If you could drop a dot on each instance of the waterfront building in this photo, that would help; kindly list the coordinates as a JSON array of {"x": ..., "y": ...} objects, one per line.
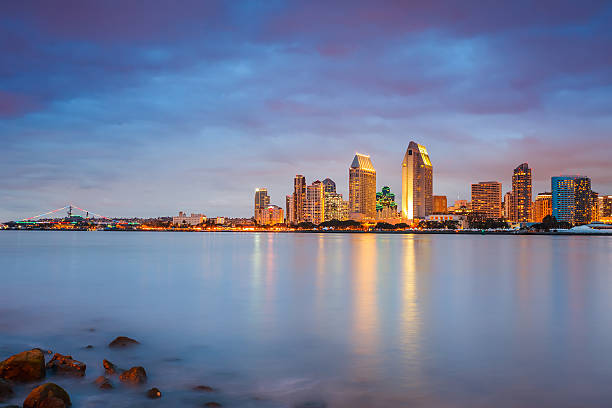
[
  {"x": 486, "y": 199},
  {"x": 605, "y": 206},
  {"x": 462, "y": 219},
  {"x": 329, "y": 185},
  {"x": 299, "y": 197},
  {"x": 571, "y": 199},
  {"x": 542, "y": 206},
  {"x": 362, "y": 188},
  {"x": 335, "y": 207},
  {"x": 314, "y": 207},
  {"x": 440, "y": 205},
  {"x": 289, "y": 209},
  {"x": 262, "y": 201},
  {"x": 184, "y": 219},
  {"x": 417, "y": 182},
  {"x": 386, "y": 207},
  {"x": 594, "y": 206},
  {"x": 272, "y": 215},
  {"x": 521, "y": 194},
  {"x": 507, "y": 206}
]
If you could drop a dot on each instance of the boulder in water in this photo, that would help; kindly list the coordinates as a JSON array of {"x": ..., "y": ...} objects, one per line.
[
  {"x": 103, "y": 383},
  {"x": 45, "y": 396},
  {"x": 61, "y": 364},
  {"x": 135, "y": 375},
  {"x": 23, "y": 367},
  {"x": 122, "y": 341},
  {"x": 154, "y": 393},
  {"x": 203, "y": 388},
  {"x": 110, "y": 368}
]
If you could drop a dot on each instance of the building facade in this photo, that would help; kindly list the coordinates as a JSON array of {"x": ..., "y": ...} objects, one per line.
[
  {"x": 289, "y": 209},
  {"x": 386, "y": 207},
  {"x": 542, "y": 206},
  {"x": 572, "y": 199},
  {"x": 329, "y": 185},
  {"x": 507, "y": 206},
  {"x": 314, "y": 208},
  {"x": 417, "y": 182},
  {"x": 272, "y": 215},
  {"x": 604, "y": 206},
  {"x": 184, "y": 219},
  {"x": 521, "y": 194},
  {"x": 262, "y": 201},
  {"x": 440, "y": 204},
  {"x": 335, "y": 207},
  {"x": 362, "y": 189},
  {"x": 486, "y": 199},
  {"x": 299, "y": 198}
]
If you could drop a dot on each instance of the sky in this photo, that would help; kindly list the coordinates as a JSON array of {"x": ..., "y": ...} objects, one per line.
[{"x": 145, "y": 108}]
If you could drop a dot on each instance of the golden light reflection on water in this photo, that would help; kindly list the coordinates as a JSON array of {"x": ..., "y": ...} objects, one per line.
[{"x": 410, "y": 323}]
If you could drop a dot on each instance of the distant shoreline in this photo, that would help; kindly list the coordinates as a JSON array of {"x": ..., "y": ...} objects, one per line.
[{"x": 423, "y": 232}]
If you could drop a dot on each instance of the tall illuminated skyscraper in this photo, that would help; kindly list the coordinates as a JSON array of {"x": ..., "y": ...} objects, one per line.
[
  {"x": 362, "y": 188},
  {"x": 521, "y": 194},
  {"x": 571, "y": 199},
  {"x": 299, "y": 197},
  {"x": 417, "y": 183},
  {"x": 262, "y": 201},
  {"x": 314, "y": 206}
]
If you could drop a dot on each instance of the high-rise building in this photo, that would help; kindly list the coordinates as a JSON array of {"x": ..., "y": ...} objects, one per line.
[
  {"x": 440, "y": 205},
  {"x": 386, "y": 207},
  {"x": 486, "y": 199},
  {"x": 594, "y": 206},
  {"x": 262, "y": 201},
  {"x": 314, "y": 207},
  {"x": 605, "y": 206},
  {"x": 329, "y": 185},
  {"x": 271, "y": 215},
  {"x": 299, "y": 197},
  {"x": 521, "y": 194},
  {"x": 571, "y": 199},
  {"x": 542, "y": 206},
  {"x": 417, "y": 182},
  {"x": 362, "y": 188},
  {"x": 335, "y": 207},
  {"x": 507, "y": 206},
  {"x": 289, "y": 206}
]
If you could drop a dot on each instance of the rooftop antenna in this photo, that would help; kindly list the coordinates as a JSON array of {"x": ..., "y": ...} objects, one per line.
[{"x": 70, "y": 211}]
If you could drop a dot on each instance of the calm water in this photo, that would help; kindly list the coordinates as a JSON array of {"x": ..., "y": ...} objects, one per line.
[{"x": 349, "y": 320}]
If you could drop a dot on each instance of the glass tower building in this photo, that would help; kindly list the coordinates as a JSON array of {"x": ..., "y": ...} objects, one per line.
[
  {"x": 362, "y": 188},
  {"x": 417, "y": 183},
  {"x": 571, "y": 199}
]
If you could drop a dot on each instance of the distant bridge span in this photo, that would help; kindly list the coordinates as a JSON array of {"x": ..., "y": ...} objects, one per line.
[{"x": 70, "y": 207}]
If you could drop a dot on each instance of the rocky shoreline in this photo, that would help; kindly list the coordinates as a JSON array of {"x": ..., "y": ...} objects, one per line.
[{"x": 30, "y": 368}]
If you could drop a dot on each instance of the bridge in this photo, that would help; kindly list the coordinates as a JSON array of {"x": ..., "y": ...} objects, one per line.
[{"x": 70, "y": 208}]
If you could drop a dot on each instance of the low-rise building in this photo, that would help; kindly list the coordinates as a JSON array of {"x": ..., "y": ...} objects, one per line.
[{"x": 184, "y": 219}]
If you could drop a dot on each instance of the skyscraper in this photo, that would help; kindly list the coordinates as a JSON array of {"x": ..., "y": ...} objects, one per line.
[
  {"x": 335, "y": 207},
  {"x": 571, "y": 199},
  {"x": 440, "y": 205},
  {"x": 314, "y": 206},
  {"x": 262, "y": 201},
  {"x": 289, "y": 209},
  {"x": 507, "y": 206},
  {"x": 486, "y": 199},
  {"x": 299, "y": 196},
  {"x": 362, "y": 188},
  {"x": 417, "y": 182},
  {"x": 605, "y": 206},
  {"x": 542, "y": 206},
  {"x": 521, "y": 194},
  {"x": 329, "y": 185}
]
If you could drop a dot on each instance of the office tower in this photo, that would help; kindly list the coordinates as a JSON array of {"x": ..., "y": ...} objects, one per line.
[
  {"x": 486, "y": 199},
  {"x": 329, "y": 185},
  {"x": 262, "y": 201},
  {"x": 571, "y": 199},
  {"x": 507, "y": 206},
  {"x": 314, "y": 206},
  {"x": 299, "y": 196},
  {"x": 335, "y": 207},
  {"x": 521, "y": 193},
  {"x": 440, "y": 205},
  {"x": 386, "y": 207},
  {"x": 542, "y": 206},
  {"x": 362, "y": 188},
  {"x": 594, "y": 206},
  {"x": 605, "y": 206},
  {"x": 290, "y": 214},
  {"x": 417, "y": 183}
]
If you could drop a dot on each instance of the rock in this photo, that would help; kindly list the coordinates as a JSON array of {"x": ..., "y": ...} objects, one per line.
[
  {"x": 204, "y": 388},
  {"x": 61, "y": 364},
  {"x": 103, "y": 383},
  {"x": 212, "y": 404},
  {"x": 89, "y": 346},
  {"x": 40, "y": 395},
  {"x": 122, "y": 341},
  {"x": 135, "y": 375},
  {"x": 25, "y": 366},
  {"x": 110, "y": 368},
  {"x": 6, "y": 391},
  {"x": 154, "y": 393}
]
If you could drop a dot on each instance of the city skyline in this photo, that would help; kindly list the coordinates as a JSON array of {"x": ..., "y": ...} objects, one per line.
[{"x": 139, "y": 112}]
